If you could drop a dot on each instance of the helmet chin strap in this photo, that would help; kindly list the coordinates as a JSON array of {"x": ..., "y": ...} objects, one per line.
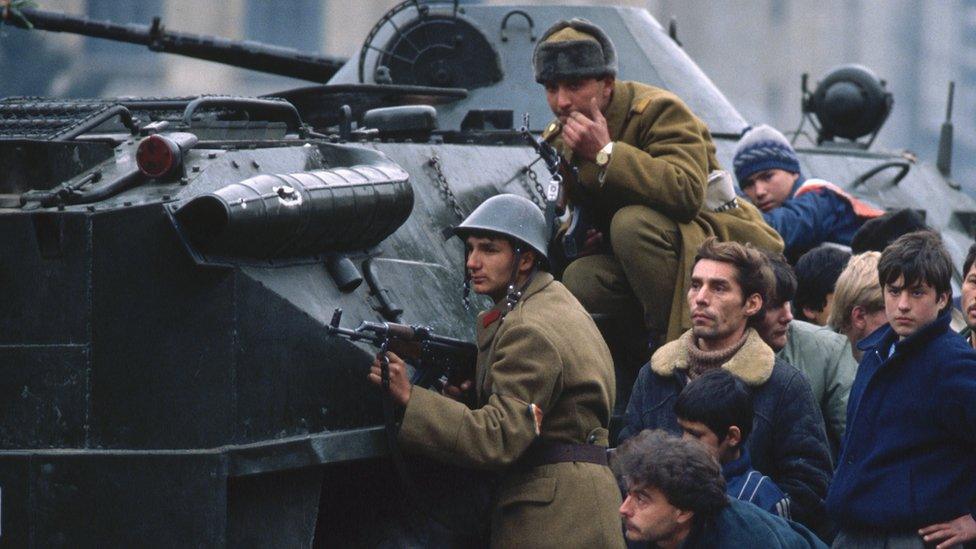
[
  {"x": 466, "y": 291},
  {"x": 515, "y": 294}
]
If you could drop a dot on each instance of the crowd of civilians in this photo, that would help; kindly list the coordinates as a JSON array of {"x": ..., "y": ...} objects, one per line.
[
  {"x": 853, "y": 424},
  {"x": 860, "y": 433},
  {"x": 824, "y": 388}
]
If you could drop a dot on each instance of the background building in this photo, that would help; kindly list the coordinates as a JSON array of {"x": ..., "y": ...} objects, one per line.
[{"x": 754, "y": 50}]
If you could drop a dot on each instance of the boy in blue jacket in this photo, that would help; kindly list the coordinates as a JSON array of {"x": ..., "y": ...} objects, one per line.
[
  {"x": 907, "y": 468},
  {"x": 716, "y": 410},
  {"x": 805, "y": 212}
]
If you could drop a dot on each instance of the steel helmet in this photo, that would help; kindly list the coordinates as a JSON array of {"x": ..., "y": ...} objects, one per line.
[{"x": 512, "y": 216}]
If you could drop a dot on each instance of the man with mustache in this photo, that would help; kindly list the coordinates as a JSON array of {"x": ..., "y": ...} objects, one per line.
[
  {"x": 906, "y": 476},
  {"x": 644, "y": 161},
  {"x": 968, "y": 300},
  {"x": 729, "y": 284}
]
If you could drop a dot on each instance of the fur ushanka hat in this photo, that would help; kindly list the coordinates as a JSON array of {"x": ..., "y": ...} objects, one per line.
[{"x": 574, "y": 49}]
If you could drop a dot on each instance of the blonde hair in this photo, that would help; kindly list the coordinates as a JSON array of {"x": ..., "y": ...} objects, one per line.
[{"x": 857, "y": 286}]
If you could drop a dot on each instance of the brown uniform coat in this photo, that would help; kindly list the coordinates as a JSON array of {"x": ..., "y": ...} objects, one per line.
[
  {"x": 662, "y": 155},
  {"x": 546, "y": 352}
]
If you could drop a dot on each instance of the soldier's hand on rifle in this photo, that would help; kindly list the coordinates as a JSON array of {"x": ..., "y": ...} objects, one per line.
[
  {"x": 461, "y": 393},
  {"x": 399, "y": 378},
  {"x": 586, "y": 134}
]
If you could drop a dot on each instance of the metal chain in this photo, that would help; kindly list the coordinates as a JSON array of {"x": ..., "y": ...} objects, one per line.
[
  {"x": 533, "y": 182},
  {"x": 445, "y": 189},
  {"x": 528, "y": 172}
]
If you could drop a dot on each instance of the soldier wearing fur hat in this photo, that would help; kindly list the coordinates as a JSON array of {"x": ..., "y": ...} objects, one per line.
[
  {"x": 644, "y": 161},
  {"x": 544, "y": 391}
]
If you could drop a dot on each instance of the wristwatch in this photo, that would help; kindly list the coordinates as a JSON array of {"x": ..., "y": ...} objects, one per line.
[{"x": 603, "y": 157}]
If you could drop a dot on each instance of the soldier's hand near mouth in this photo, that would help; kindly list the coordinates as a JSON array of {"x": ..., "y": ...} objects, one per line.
[{"x": 586, "y": 134}]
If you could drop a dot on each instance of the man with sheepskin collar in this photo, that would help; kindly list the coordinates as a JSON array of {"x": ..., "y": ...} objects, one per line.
[
  {"x": 644, "y": 198},
  {"x": 729, "y": 284}
]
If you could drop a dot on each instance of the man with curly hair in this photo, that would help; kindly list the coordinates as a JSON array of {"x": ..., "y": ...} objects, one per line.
[{"x": 676, "y": 498}]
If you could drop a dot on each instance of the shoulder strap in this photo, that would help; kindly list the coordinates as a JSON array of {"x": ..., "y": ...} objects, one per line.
[
  {"x": 551, "y": 131},
  {"x": 641, "y": 104}
]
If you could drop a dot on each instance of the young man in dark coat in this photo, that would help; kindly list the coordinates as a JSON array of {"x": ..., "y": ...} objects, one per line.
[
  {"x": 676, "y": 499},
  {"x": 788, "y": 442},
  {"x": 907, "y": 469}
]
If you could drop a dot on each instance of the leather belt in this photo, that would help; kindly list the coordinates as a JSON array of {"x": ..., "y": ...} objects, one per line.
[{"x": 547, "y": 452}]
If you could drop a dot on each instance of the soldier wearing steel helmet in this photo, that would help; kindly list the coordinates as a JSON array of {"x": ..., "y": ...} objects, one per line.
[{"x": 543, "y": 388}]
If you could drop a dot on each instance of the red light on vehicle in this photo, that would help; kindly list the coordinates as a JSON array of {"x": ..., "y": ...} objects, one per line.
[{"x": 158, "y": 156}]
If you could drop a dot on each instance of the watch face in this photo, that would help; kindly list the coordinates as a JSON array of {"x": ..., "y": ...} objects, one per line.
[{"x": 603, "y": 155}]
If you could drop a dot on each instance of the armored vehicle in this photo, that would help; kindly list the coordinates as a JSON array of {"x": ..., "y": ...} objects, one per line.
[{"x": 171, "y": 266}]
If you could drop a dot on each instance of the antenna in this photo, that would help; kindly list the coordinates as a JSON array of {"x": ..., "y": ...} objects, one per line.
[
  {"x": 944, "y": 162},
  {"x": 805, "y": 111},
  {"x": 673, "y": 31}
]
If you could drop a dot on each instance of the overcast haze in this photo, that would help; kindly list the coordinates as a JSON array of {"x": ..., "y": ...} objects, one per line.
[{"x": 754, "y": 50}]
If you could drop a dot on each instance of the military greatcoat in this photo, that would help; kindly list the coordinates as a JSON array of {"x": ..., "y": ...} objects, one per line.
[
  {"x": 547, "y": 352},
  {"x": 650, "y": 196}
]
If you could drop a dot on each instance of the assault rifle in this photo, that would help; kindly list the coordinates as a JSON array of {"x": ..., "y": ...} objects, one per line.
[
  {"x": 574, "y": 240},
  {"x": 436, "y": 358},
  {"x": 559, "y": 169}
]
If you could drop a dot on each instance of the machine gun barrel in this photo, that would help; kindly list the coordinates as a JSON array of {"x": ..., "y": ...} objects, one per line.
[
  {"x": 239, "y": 53},
  {"x": 545, "y": 151},
  {"x": 555, "y": 162},
  {"x": 435, "y": 355}
]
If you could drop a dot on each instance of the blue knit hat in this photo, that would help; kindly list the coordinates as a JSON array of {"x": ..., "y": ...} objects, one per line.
[{"x": 763, "y": 148}]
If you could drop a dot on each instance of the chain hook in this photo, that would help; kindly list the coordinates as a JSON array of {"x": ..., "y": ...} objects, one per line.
[{"x": 444, "y": 187}]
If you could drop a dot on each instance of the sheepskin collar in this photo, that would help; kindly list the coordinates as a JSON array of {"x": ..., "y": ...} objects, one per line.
[{"x": 753, "y": 364}]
